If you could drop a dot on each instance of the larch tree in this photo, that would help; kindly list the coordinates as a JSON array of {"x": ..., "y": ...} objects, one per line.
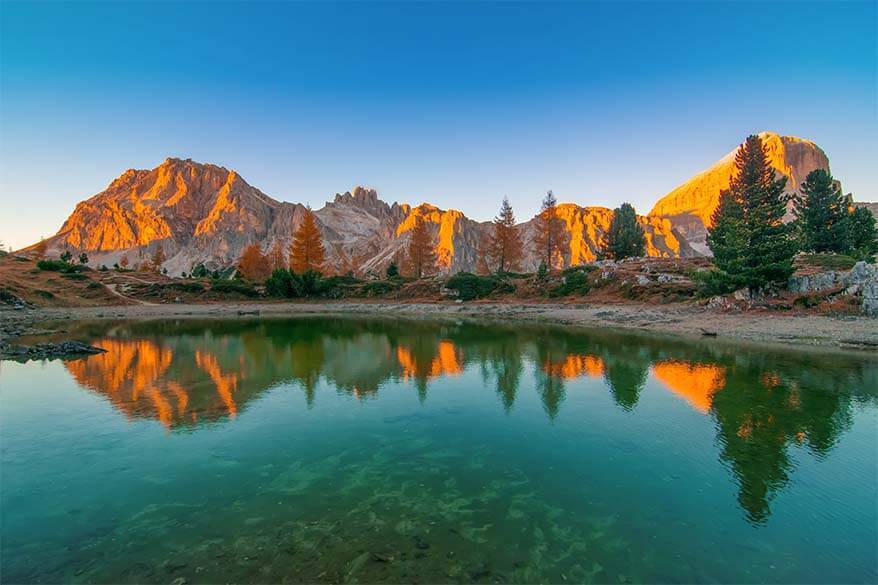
[
  {"x": 277, "y": 257},
  {"x": 503, "y": 249},
  {"x": 551, "y": 235},
  {"x": 421, "y": 250},
  {"x": 254, "y": 265},
  {"x": 822, "y": 214},
  {"x": 625, "y": 238},
  {"x": 306, "y": 251},
  {"x": 158, "y": 258}
]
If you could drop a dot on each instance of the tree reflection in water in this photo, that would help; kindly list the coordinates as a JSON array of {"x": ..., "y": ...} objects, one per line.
[{"x": 192, "y": 372}]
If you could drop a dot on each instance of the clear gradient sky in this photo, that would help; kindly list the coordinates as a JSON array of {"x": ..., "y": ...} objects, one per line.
[{"x": 453, "y": 103}]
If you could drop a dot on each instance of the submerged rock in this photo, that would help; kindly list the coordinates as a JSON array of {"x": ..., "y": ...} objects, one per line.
[{"x": 48, "y": 351}]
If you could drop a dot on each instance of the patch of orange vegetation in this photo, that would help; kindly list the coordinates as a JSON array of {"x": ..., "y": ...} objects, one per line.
[{"x": 696, "y": 383}]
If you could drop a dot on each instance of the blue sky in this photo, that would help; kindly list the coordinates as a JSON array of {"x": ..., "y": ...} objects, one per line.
[{"x": 453, "y": 103}]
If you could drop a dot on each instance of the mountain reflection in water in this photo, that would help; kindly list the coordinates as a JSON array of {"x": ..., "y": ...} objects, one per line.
[{"x": 191, "y": 372}]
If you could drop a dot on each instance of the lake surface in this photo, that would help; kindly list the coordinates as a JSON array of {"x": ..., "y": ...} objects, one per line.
[{"x": 348, "y": 450}]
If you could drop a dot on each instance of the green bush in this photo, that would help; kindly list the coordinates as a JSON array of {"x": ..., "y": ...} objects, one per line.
[
  {"x": 231, "y": 286},
  {"x": 94, "y": 285},
  {"x": 190, "y": 287},
  {"x": 472, "y": 286},
  {"x": 52, "y": 265},
  {"x": 575, "y": 283},
  {"x": 74, "y": 275},
  {"x": 377, "y": 288},
  {"x": 715, "y": 282}
]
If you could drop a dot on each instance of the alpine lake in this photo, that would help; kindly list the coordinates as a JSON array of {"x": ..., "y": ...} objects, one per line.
[{"x": 343, "y": 450}]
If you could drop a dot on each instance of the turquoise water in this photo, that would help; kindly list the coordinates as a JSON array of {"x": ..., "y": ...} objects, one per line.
[{"x": 344, "y": 450}]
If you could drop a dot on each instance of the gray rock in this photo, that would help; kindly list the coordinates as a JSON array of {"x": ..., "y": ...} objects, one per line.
[{"x": 642, "y": 280}]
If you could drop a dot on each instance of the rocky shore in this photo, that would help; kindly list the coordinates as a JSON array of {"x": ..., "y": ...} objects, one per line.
[
  {"x": 47, "y": 351},
  {"x": 802, "y": 329}
]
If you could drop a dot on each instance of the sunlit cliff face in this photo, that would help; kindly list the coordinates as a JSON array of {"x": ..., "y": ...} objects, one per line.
[
  {"x": 448, "y": 226},
  {"x": 789, "y": 156},
  {"x": 696, "y": 383}
]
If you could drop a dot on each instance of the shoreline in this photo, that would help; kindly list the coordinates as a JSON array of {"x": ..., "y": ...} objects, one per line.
[{"x": 790, "y": 330}]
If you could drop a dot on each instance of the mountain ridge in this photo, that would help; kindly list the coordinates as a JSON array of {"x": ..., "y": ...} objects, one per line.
[{"x": 202, "y": 213}]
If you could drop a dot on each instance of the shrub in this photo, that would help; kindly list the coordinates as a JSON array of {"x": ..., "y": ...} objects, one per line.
[
  {"x": 392, "y": 270},
  {"x": 575, "y": 282},
  {"x": 377, "y": 288},
  {"x": 45, "y": 294},
  {"x": 94, "y": 285},
  {"x": 190, "y": 287},
  {"x": 74, "y": 275},
  {"x": 283, "y": 283},
  {"x": 542, "y": 271},
  {"x": 715, "y": 282},
  {"x": 52, "y": 265},
  {"x": 230, "y": 286},
  {"x": 472, "y": 286}
]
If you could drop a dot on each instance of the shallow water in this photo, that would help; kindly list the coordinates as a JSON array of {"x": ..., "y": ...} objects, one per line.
[{"x": 345, "y": 450}]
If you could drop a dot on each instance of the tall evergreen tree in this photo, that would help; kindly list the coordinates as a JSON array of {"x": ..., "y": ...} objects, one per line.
[
  {"x": 504, "y": 244},
  {"x": 726, "y": 237},
  {"x": 755, "y": 250},
  {"x": 551, "y": 235},
  {"x": 306, "y": 251},
  {"x": 625, "y": 238},
  {"x": 863, "y": 235},
  {"x": 822, "y": 214}
]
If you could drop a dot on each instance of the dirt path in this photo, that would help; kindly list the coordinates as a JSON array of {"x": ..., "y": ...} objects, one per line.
[
  {"x": 682, "y": 320},
  {"x": 114, "y": 289}
]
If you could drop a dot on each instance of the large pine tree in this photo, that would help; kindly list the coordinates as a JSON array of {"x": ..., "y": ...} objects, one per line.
[
  {"x": 503, "y": 249},
  {"x": 822, "y": 214},
  {"x": 306, "y": 251},
  {"x": 754, "y": 249},
  {"x": 421, "y": 251},
  {"x": 625, "y": 238},
  {"x": 551, "y": 235}
]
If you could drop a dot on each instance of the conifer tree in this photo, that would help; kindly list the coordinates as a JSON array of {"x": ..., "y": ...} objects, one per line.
[
  {"x": 768, "y": 256},
  {"x": 750, "y": 241},
  {"x": 306, "y": 251},
  {"x": 158, "y": 258},
  {"x": 421, "y": 252},
  {"x": 551, "y": 236},
  {"x": 503, "y": 248},
  {"x": 822, "y": 214},
  {"x": 625, "y": 238},
  {"x": 254, "y": 265},
  {"x": 277, "y": 257},
  {"x": 726, "y": 237},
  {"x": 863, "y": 234}
]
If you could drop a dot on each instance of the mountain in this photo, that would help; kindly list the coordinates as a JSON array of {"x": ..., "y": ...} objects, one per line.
[
  {"x": 690, "y": 206},
  {"x": 207, "y": 214}
]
